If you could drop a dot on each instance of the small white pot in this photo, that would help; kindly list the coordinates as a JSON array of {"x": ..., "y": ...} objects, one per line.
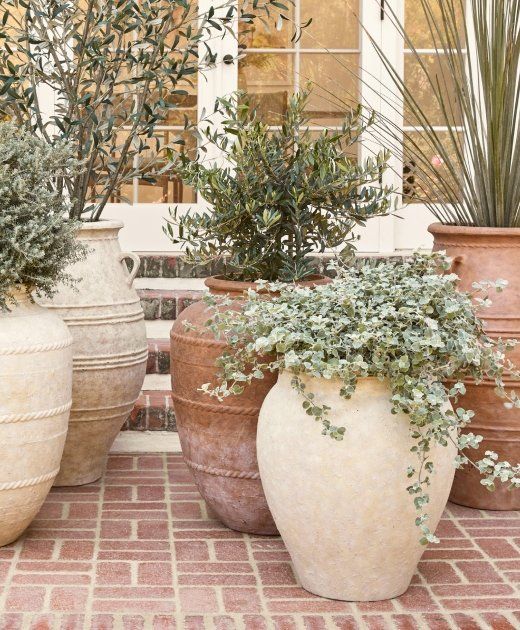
[
  {"x": 342, "y": 507},
  {"x": 35, "y": 399}
]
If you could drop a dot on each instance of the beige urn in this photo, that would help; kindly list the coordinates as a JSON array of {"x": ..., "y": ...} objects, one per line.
[
  {"x": 35, "y": 399},
  {"x": 342, "y": 507},
  {"x": 104, "y": 315}
]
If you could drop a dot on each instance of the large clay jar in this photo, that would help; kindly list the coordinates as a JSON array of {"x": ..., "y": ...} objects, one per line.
[
  {"x": 35, "y": 399},
  {"x": 488, "y": 254},
  {"x": 106, "y": 320},
  {"x": 218, "y": 440},
  {"x": 342, "y": 508}
]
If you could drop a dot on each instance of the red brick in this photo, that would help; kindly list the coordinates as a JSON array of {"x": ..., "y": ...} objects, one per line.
[
  {"x": 164, "y": 622},
  {"x": 231, "y": 550},
  {"x": 479, "y": 571},
  {"x": 254, "y": 622},
  {"x": 482, "y": 603},
  {"x": 150, "y": 462},
  {"x": 345, "y": 622},
  {"x": 497, "y": 622},
  {"x": 314, "y": 623},
  {"x": 150, "y": 493},
  {"x": 241, "y": 600},
  {"x": 214, "y": 567},
  {"x": 404, "y": 622},
  {"x": 120, "y": 462},
  {"x": 153, "y": 530},
  {"x": 438, "y": 573},
  {"x": 116, "y": 529},
  {"x": 11, "y": 621},
  {"x": 284, "y": 623},
  {"x": 55, "y": 566},
  {"x": 133, "y": 622},
  {"x": 276, "y": 573},
  {"x": 50, "y": 578},
  {"x": 309, "y": 606},
  {"x": 123, "y": 493},
  {"x": 435, "y": 621},
  {"x": 133, "y": 592},
  {"x": 37, "y": 550},
  {"x": 245, "y": 579},
  {"x": 191, "y": 550},
  {"x": 186, "y": 509},
  {"x": 380, "y": 606},
  {"x": 465, "y": 622},
  {"x": 472, "y": 590},
  {"x": 417, "y": 598},
  {"x": 201, "y": 600},
  {"x": 375, "y": 622},
  {"x": 25, "y": 599},
  {"x": 69, "y": 599},
  {"x": 113, "y": 573},
  {"x": 159, "y": 573},
  {"x": 83, "y": 510},
  {"x": 80, "y": 550},
  {"x": 129, "y": 606},
  {"x": 497, "y": 547}
]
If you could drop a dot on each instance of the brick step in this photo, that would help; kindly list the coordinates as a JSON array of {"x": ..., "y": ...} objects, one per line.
[
  {"x": 165, "y": 298},
  {"x": 153, "y": 410},
  {"x": 158, "y": 333}
]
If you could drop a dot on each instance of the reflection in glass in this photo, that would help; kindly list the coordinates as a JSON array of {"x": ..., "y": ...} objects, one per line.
[{"x": 335, "y": 24}]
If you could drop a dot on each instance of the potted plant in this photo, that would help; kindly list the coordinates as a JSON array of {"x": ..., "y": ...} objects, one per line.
[
  {"x": 280, "y": 196},
  {"x": 376, "y": 362},
  {"x": 36, "y": 245},
  {"x": 116, "y": 72},
  {"x": 464, "y": 144}
]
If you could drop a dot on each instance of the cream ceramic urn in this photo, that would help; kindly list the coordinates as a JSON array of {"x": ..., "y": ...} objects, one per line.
[
  {"x": 342, "y": 507},
  {"x": 35, "y": 399},
  {"x": 104, "y": 315}
]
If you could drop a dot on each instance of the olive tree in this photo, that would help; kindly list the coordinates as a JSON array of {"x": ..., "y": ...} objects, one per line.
[{"x": 117, "y": 70}]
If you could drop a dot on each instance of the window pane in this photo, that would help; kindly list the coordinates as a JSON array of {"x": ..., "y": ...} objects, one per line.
[
  {"x": 335, "y": 85},
  {"x": 417, "y": 20},
  {"x": 417, "y": 186},
  {"x": 265, "y": 32},
  {"x": 335, "y": 24},
  {"x": 269, "y": 79},
  {"x": 419, "y": 83}
]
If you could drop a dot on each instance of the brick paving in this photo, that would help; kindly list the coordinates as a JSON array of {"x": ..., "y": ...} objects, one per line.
[{"x": 139, "y": 550}]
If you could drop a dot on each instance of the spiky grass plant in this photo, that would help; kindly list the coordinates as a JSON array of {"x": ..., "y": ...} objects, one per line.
[{"x": 475, "y": 88}]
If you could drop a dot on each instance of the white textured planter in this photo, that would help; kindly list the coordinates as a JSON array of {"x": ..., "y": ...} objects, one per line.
[
  {"x": 106, "y": 320},
  {"x": 342, "y": 507},
  {"x": 35, "y": 399}
]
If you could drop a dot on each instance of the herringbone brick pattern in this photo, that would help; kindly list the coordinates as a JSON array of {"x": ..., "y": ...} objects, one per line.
[{"x": 139, "y": 550}]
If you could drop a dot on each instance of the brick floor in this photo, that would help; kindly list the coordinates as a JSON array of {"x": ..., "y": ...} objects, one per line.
[{"x": 139, "y": 550}]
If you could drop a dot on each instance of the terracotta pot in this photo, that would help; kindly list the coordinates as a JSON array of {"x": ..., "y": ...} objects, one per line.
[
  {"x": 106, "y": 320},
  {"x": 35, "y": 399},
  {"x": 219, "y": 439},
  {"x": 488, "y": 254},
  {"x": 342, "y": 508}
]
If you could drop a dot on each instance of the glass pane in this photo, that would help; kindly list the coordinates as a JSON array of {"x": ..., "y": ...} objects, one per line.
[
  {"x": 269, "y": 79},
  {"x": 267, "y": 32},
  {"x": 419, "y": 15},
  {"x": 417, "y": 182},
  {"x": 419, "y": 83},
  {"x": 335, "y": 24},
  {"x": 335, "y": 85},
  {"x": 166, "y": 188}
]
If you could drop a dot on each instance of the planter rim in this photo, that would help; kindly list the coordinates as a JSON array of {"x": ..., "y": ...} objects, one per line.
[
  {"x": 472, "y": 231},
  {"x": 102, "y": 224},
  {"x": 218, "y": 284}
]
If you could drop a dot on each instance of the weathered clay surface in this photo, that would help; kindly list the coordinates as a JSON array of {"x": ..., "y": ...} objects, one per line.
[
  {"x": 35, "y": 399},
  {"x": 219, "y": 439},
  {"x": 488, "y": 254},
  {"x": 106, "y": 320},
  {"x": 342, "y": 507}
]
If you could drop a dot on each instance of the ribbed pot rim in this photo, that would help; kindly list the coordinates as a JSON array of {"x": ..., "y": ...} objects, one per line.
[
  {"x": 102, "y": 224},
  {"x": 219, "y": 285},
  {"x": 472, "y": 231}
]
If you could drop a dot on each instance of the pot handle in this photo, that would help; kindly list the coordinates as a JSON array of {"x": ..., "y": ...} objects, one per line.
[
  {"x": 137, "y": 263},
  {"x": 456, "y": 263}
]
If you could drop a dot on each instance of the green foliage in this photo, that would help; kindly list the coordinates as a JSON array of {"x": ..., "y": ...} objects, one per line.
[
  {"x": 281, "y": 194},
  {"x": 474, "y": 89},
  {"x": 118, "y": 69},
  {"x": 37, "y": 241},
  {"x": 404, "y": 322}
]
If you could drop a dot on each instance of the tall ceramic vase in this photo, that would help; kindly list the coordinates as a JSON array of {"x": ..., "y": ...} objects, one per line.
[
  {"x": 342, "y": 508},
  {"x": 219, "y": 439},
  {"x": 106, "y": 320},
  {"x": 35, "y": 399},
  {"x": 488, "y": 254}
]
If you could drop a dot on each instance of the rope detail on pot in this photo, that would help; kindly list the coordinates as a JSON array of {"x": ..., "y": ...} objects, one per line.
[
  {"x": 25, "y": 483},
  {"x": 210, "y": 407},
  {"x": 193, "y": 341},
  {"x": 59, "y": 345},
  {"x": 35, "y": 415},
  {"x": 221, "y": 472}
]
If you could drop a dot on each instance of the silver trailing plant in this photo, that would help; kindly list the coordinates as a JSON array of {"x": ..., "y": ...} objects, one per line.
[
  {"x": 37, "y": 241},
  {"x": 400, "y": 321}
]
